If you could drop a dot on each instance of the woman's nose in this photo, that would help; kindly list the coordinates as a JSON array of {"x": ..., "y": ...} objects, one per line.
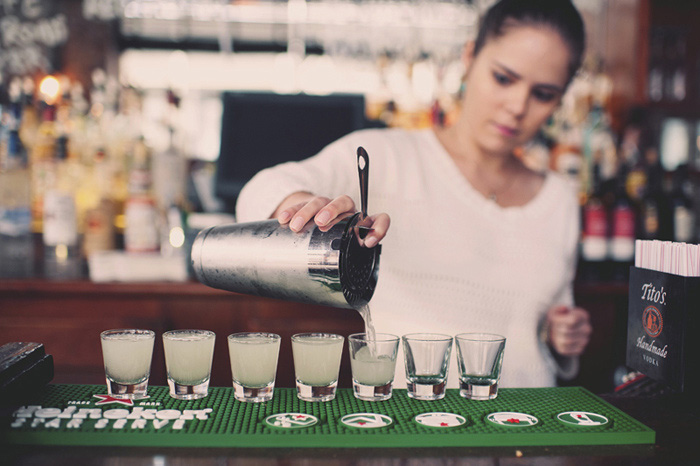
[{"x": 517, "y": 101}]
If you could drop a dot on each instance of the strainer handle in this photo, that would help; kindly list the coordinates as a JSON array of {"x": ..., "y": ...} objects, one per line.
[{"x": 363, "y": 171}]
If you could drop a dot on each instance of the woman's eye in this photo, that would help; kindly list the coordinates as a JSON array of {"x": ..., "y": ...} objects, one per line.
[
  {"x": 501, "y": 78},
  {"x": 544, "y": 96}
]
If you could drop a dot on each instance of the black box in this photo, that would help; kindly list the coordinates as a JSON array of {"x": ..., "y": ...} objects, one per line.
[{"x": 662, "y": 328}]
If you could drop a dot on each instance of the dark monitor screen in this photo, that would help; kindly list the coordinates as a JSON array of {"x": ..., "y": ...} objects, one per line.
[{"x": 259, "y": 130}]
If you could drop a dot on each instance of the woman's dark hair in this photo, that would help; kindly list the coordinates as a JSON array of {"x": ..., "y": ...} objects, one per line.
[{"x": 560, "y": 15}]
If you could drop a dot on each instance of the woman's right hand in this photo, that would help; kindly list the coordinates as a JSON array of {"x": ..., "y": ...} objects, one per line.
[{"x": 298, "y": 208}]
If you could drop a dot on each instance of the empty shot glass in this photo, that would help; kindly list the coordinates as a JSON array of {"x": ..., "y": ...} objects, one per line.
[
  {"x": 480, "y": 357},
  {"x": 427, "y": 357},
  {"x": 253, "y": 365},
  {"x": 127, "y": 357},
  {"x": 188, "y": 357},
  {"x": 317, "y": 364},
  {"x": 373, "y": 362}
]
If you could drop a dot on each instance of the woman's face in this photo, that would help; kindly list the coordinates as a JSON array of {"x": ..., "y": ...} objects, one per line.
[{"x": 513, "y": 85}]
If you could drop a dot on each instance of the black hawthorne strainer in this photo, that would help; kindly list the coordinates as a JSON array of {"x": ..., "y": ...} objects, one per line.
[{"x": 359, "y": 267}]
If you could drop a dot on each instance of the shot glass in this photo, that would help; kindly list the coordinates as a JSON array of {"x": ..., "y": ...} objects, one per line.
[
  {"x": 427, "y": 357},
  {"x": 188, "y": 356},
  {"x": 317, "y": 364},
  {"x": 373, "y": 362},
  {"x": 253, "y": 365},
  {"x": 480, "y": 357},
  {"x": 127, "y": 357}
]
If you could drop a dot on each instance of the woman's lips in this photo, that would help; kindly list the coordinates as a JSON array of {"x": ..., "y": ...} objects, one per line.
[{"x": 506, "y": 130}]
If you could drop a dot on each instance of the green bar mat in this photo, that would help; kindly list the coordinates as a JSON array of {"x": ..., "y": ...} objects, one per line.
[{"x": 83, "y": 415}]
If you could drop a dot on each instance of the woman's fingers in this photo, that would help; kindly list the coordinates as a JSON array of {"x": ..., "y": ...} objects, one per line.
[
  {"x": 325, "y": 211},
  {"x": 286, "y": 215},
  {"x": 570, "y": 330},
  {"x": 291, "y": 205},
  {"x": 380, "y": 225},
  {"x": 569, "y": 343},
  {"x": 306, "y": 212},
  {"x": 334, "y": 209}
]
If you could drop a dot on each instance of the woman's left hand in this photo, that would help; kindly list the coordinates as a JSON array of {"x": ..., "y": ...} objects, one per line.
[{"x": 569, "y": 330}]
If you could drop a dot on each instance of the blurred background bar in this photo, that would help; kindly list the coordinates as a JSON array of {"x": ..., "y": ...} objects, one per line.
[{"x": 129, "y": 125}]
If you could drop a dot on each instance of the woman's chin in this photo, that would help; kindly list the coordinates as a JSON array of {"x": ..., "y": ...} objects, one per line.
[{"x": 499, "y": 145}]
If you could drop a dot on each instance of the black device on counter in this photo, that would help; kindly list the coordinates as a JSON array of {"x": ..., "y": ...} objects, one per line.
[
  {"x": 262, "y": 129},
  {"x": 25, "y": 368}
]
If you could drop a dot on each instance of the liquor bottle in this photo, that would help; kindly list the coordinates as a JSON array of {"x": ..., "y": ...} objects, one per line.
[
  {"x": 594, "y": 240},
  {"x": 675, "y": 78},
  {"x": 29, "y": 125},
  {"x": 655, "y": 78},
  {"x": 682, "y": 212},
  {"x": 4, "y": 95},
  {"x": 169, "y": 182},
  {"x": 43, "y": 164},
  {"x": 631, "y": 158},
  {"x": 566, "y": 157},
  {"x": 16, "y": 241},
  {"x": 599, "y": 144},
  {"x": 141, "y": 232},
  {"x": 60, "y": 218},
  {"x": 622, "y": 234},
  {"x": 80, "y": 142},
  {"x": 103, "y": 141},
  {"x": 98, "y": 223},
  {"x": 169, "y": 179},
  {"x": 653, "y": 210}
]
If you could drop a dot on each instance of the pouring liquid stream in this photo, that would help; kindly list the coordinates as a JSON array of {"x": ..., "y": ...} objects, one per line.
[{"x": 366, "y": 314}]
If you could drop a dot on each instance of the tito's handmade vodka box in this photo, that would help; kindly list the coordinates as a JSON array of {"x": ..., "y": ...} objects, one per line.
[{"x": 663, "y": 336}]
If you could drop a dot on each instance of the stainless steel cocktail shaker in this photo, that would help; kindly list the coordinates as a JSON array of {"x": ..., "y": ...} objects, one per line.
[{"x": 268, "y": 259}]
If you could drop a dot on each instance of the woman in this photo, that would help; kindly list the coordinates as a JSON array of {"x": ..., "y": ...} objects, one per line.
[{"x": 478, "y": 241}]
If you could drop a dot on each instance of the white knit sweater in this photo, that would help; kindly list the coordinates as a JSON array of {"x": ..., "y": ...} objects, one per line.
[{"x": 452, "y": 261}]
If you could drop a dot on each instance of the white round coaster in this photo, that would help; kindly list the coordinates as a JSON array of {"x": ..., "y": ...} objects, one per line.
[
  {"x": 366, "y": 420},
  {"x": 440, "y": 419},
  {"x": 512, "y": 419},
  {"x": 582, "y": 419},
  {"x": 291, "y": 420}
]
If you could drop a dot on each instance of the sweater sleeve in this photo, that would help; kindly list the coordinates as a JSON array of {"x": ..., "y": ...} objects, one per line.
[{"x": 331, "y": 172}]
